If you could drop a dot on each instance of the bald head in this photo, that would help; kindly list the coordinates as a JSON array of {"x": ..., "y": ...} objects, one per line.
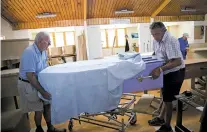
[{"x": 42, "y": 40}]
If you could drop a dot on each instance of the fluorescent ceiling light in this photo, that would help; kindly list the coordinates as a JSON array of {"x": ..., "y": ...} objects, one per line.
[
  {"x": 188, "y": 9},
  {"x": 45, "y": 15},
  {"x": 125, "y": 11}
]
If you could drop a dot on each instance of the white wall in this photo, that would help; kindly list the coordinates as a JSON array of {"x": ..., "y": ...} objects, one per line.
[
  {"x": 145, "y": 39},
  {"x": 187, "y": 27},
  {"x": 93, "y": 35},
  {"x": 6, "y": 30},
  {"x": 174, "y": 30}
]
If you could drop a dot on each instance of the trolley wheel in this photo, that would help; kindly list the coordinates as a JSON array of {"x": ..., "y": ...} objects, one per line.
[
  {"x": 133, "y": 119},
  {"x": 114, "y": 116},
  {"x": 70, "y": 126}
]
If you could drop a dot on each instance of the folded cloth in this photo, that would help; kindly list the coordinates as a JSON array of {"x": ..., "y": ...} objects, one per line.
[
  {"x": 126, "y": 56},
  {"x": 86, "y": 86}
]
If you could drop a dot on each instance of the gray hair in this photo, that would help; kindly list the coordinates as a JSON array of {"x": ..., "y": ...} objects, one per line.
[
  {"x": 158, "y": 25},
  {"x": 40, "y": 36}
]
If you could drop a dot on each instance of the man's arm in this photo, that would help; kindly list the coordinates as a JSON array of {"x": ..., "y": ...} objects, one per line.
[
  {"x": 187, "y": 45},
  {"x": 174, "y": 55},
  {"x": 35, "y": 83},
  {"x": 171, "y": 64}
]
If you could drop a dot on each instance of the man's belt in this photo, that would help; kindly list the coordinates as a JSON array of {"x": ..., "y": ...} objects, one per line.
[{"x": 24, "y": 80}]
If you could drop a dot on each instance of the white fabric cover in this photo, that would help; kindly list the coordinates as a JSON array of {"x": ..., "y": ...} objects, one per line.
[{"x": 86, "y": 86}]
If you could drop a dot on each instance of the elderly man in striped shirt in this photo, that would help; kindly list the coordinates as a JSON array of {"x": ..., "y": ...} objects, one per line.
[{"x": 168, "y": 48}]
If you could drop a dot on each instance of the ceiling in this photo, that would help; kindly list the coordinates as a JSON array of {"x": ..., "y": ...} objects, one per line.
[
  {"x": 24, "y": 11},
  {"x": 174, "y": 7},
  {"x": 107, "y": 8}
]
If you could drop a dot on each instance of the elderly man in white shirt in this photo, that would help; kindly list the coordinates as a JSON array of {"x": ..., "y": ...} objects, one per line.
[{"x": 168, "y": 48}]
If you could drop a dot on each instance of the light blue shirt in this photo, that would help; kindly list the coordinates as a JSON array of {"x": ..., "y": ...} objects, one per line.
[{"x": 32, "y": 60}]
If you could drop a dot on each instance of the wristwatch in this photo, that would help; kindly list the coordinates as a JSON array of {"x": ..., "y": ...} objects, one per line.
[{"x": 161, "y": 69}]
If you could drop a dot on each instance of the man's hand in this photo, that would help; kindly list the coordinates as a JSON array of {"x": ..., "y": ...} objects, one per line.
[
  {"x": 46, "y": 95},
  {"x": 155, "y": 73},
  {"x": 34, "y": 82}
]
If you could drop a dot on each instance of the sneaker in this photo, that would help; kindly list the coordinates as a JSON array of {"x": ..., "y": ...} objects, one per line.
[
  {"x": 52, "y": 129},
  {"x": 164, "y": 128},
  {"x": 156, "y": 122}
]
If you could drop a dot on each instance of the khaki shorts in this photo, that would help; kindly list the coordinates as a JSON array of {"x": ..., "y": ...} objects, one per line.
[{"x": 29, "y": 100}]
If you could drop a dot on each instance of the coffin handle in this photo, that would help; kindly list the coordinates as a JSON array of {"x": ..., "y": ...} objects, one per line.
[{"x": 140, "y": 79}]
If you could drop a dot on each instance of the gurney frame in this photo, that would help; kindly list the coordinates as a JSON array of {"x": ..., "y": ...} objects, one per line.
[{"x": 124, "y": 109}]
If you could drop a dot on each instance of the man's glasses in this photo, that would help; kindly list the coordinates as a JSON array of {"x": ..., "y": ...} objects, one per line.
[{"x": 48, "y": 43}]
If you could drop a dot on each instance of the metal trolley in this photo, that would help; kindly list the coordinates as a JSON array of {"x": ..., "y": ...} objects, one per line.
[{"x": 123, "y": 110}]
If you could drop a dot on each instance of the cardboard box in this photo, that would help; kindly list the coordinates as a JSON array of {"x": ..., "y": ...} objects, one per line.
[
  {"x": 70, "y": 59},
  {"x": 55, "y": 51},
  {"x": 69, "y": 50},
  {"x": 55, "y": 61}
]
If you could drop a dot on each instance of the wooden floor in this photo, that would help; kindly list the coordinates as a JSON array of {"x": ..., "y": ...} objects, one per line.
[{"x": 190, "y": 119}]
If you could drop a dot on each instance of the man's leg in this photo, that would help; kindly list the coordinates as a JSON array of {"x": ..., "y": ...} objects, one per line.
[
  {"x": 168, "y": 114},
  {"x": 47, "y": 116},
  {"x": 184, "y": 54},
  {"x": 163, "y": 111},
  {"x": 157, "y": 111},
  {"x": 38, "y": 120},
  {"x": 159, "y": 120}
]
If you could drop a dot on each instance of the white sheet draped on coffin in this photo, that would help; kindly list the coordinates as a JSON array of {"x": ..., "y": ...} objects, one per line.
[{"x": 87, "y": 86}]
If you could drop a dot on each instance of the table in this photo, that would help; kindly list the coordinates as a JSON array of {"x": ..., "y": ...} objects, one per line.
[
  {"x": 183, "y": 99},
  {"x": 196, "y": 68}
]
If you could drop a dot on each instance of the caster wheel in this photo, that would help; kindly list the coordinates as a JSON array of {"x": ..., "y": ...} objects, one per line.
[
  {"x": 133, "y": 119},
  {"x": 70, "y": 126}
]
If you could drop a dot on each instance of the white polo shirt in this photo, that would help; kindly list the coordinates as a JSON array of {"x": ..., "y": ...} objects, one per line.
[{"x": 168, "y": 48}]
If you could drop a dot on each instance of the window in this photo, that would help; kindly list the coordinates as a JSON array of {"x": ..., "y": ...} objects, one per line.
[
  {"x": 103, "y": 38},
  {"x": 108, "y": 41},
  {"x": 59, "y": 39},
  {"x": 121, "y": 37},
  {"x": 33, "y": 36},
  {"x": 51, "y": 40},
  {"x": 70, "y": 38},
  {"x": 111, "y": 35}
]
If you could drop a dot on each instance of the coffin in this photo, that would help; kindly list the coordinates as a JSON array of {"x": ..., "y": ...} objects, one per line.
[{"x": 133, "y": 85}]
